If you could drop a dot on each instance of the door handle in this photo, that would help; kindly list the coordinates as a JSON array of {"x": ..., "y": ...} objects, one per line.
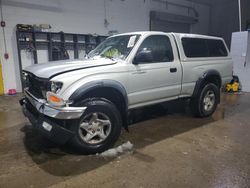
[{"x": 173, "y": 70}]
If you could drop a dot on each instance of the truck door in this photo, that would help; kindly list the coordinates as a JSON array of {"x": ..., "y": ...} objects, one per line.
[{"x": 160, "y": 79}]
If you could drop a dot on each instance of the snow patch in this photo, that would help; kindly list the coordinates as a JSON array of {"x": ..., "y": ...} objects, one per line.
[{"x": 113, "y": 152}]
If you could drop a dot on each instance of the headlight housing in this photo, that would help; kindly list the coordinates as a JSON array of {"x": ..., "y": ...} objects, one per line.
[
  {"x": 25, "y": 78},
  {"x": 55, "y": 87}
]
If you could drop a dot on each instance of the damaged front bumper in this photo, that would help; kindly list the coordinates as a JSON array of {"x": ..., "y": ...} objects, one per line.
[
  {"x": 48, "y": 119},
  {"x": 43, "y": 107}
]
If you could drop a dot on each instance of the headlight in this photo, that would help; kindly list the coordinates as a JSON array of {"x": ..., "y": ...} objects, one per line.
[
  {"x": 25, "y": 78},
  {"x": 55, "y": 87},
  {"x": 54, "y": 99}
]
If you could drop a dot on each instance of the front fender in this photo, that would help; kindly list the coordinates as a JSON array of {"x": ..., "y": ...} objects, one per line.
[{"x": 85, "y": 88}]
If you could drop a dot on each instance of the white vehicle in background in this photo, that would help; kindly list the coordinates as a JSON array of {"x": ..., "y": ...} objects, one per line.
[{"x": 87, "y": 101}]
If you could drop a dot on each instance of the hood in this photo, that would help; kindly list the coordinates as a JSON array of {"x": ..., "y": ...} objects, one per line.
[{"x": 51, "y": 69}]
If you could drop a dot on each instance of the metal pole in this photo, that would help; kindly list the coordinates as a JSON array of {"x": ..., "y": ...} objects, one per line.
[{"x": 239, "y": 13}]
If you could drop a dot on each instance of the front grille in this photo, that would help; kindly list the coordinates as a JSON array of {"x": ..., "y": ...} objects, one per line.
[{"x": 37, "y": 86}]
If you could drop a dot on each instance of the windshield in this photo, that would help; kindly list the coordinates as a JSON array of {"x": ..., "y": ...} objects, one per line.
[{"x": 117, "y": 47}]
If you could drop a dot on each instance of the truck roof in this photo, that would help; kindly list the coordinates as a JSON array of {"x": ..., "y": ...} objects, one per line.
[{"x": 179, "y": 35}]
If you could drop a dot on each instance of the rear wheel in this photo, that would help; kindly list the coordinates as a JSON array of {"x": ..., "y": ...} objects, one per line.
[
  {"x": 98, "y": 128},
  {"x": 206, "y": 101}
]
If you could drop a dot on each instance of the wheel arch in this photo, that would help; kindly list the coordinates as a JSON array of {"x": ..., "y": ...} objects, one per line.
[
  {"x": 111, "y": 90},
  {"x": 211, "y": 76}
]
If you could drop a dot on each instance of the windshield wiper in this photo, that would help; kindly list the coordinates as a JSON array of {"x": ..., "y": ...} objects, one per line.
[
  {"x": 86, "y": 56},
  {"x": 112, "y": 58},
  {"x": 108, "y": 57}
]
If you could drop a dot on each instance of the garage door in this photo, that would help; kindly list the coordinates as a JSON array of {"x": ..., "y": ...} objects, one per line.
[
  {"x": 158, "y": 25},
  {"x": 166, "y": 22}
]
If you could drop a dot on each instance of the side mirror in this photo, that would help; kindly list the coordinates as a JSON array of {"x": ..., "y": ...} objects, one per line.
[{"x": 144, "y": 56}]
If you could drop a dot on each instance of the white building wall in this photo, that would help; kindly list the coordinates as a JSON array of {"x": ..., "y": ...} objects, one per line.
[{"x": 81, "y": 16}]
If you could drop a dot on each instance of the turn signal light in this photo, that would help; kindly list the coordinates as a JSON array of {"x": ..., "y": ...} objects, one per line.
[{"x": 54, "y": 99}]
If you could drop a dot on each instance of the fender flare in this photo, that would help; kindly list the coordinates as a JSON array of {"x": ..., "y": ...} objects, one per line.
[
  {"x": 90, "y": 86},
  {"x": 206, "y": 75},
  {"x": 85, "y": 88}
]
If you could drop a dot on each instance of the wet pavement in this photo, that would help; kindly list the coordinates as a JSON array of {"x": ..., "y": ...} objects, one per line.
[{"x": 171, "y": 149}]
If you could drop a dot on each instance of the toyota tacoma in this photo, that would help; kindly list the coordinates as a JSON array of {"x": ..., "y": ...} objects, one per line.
[{"x": 86, "y": 102}]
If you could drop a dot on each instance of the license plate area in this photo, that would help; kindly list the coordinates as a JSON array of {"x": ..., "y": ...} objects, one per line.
[{"x": 47, "y": 126}]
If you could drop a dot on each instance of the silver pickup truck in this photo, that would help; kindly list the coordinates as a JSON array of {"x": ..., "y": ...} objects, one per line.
[{"x": 86, "y": 102}]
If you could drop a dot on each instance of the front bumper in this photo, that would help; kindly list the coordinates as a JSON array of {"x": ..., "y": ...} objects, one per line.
[
  {"x": 49, "y": 120},
  {"x": 43, "y": 107}
]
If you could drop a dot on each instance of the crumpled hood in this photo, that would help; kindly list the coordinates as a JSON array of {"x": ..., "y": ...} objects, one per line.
[{"x": 51, "y": 69}]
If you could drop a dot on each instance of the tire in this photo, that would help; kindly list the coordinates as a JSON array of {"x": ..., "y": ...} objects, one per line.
[
  {"x": 206, "y": 101},
  {"x": 101, "y": 121}
]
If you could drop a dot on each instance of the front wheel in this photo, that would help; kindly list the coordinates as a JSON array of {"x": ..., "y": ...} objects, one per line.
[
  {"x": 205, "y": 103},
  {"x": 98, "y": 128}
]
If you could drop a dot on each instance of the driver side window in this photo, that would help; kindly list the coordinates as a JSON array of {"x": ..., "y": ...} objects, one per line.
[{"x": 160, "y": 47}]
